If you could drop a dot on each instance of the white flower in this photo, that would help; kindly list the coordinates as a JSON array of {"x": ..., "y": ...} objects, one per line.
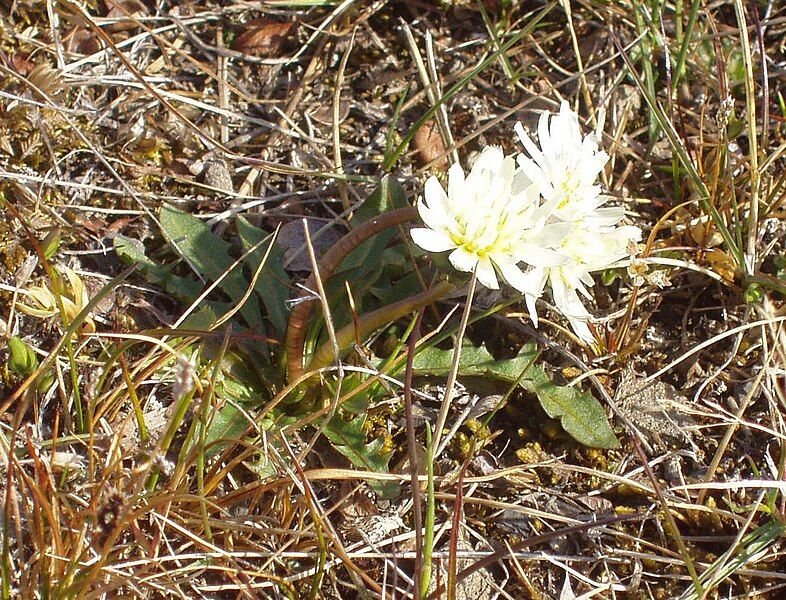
[
  {"x": 585, "y": 250},
  {"x": 565, "y": 168},
  {"x": 547, "y": 213},
  {"x": 490, "y": 218}
]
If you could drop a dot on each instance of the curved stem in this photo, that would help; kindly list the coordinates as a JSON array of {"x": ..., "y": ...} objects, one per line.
[
  {"x": 376, "y": 319},
  {"x": 298, "y": 320}
]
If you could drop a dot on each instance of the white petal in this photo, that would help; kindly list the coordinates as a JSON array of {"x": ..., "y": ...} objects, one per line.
[
  {"x": 486, "y": 275},
  {"x": 455, "y": 181},
  {"x": 605, "y": 217},
  {"x": 568, "y": 131},
  {"x": 436, "y": 219},
  {"x": 521, "y": 183},
  {"x": 431, "y": 241},
  {"x": 502, "y": 183},
  {"x": 582, "y": 330},
  {"x": 536, "y": 175},
  {"x": 551, "y": 235},
  {"x": 529, "y": 145},
  {"x": 463, "y": 260},
  {"x": 512, "y": 273},
  {"x": 490, "y": 159},
  {"x": 530, "y": 283},
  {"x": 586, "y": 279},
  {"x": 436, "y": 198},
  {"x": 538, "y": 256},
  {"x": 565, "y": 297},
  {"x": 630, "y": 233},
  {"x": 487, "y": 232},
  {"x": 532, "y": 309}
]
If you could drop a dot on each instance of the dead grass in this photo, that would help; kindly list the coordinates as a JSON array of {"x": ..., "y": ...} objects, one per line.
[{"x": 150, "y": 450}]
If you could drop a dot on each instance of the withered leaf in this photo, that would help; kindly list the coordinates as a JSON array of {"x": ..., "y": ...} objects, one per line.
[
  {"x": 324, "y": 114},
  {"x": 656, "y": 407},
  {"x": 429, "y": 145},
  {"x": 22, "y": 63},
  {"x": 46, "y": 79},
  {"x": 124, "y": 11},
  {"x": 83, "y": 41},
  {"x": 292, "y": 238},
  {"x": 263, "y": 37},
  {"x": 217, "y": 175}
]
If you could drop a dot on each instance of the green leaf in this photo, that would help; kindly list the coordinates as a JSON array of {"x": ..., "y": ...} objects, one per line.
[
  {"x": 273, "y": 283},
  {"x": 349, "y": 438},
  {"x": 387, "y": 196},
  {"x": 202, "y": 318},
  {"x": 210, "y": 256},
  {"x": 131, "y": 252},
  {"x": 21, "y": 359},
  {"x": 51, "y": 243},
  {"x": 226, "y": 424},
  {"x": 433, "y": 361},
  {"x": 393, "y": 289},
  {"x": 581, "y": 415}
]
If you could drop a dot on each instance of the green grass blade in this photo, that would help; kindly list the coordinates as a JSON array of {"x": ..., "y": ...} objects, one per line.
[
  {"x": 686, "y": 162},
  {"x": 457, "y": 87}
]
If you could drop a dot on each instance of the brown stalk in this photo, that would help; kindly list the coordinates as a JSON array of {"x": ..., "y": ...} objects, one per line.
[
  {"x": 377, "y": 318},
  {"x": 298, "y": 320}
]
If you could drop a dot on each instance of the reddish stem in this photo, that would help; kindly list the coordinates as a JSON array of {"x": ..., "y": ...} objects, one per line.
[{"x": 301, "y": 313}]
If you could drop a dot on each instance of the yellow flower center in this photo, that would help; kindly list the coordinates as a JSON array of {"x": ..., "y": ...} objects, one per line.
[
  {"x": 472, "y": 245},
  {"x": 568, "y": 187}
]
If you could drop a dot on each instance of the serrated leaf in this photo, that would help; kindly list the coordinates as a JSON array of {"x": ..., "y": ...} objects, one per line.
[
  {"x": 132, "y": 252},
  {"x": 228, "y": 423},
  {"x": 433, "y": 361},
  {"x": 349, "y": 438},
  {"x": 580, "y": 414}
]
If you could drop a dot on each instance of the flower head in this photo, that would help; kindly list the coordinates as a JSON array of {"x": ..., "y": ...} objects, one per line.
[
  {"x": 490, "y": 220},
  {"x": 565, "y": 168},
  {"x": 544, "y": 210},
  {"x": 586, "y": 249}
]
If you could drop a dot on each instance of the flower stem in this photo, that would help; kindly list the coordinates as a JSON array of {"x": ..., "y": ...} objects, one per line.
[{"x": 451, "y": 383}]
